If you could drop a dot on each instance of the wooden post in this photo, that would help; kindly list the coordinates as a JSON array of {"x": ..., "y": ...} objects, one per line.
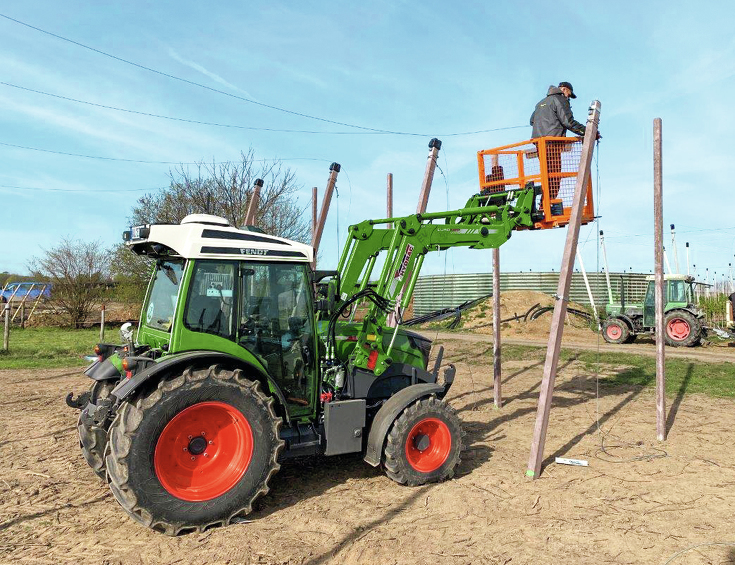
[
  {"x": 687, "y": 246},
  {"x": 673, "y": 249},
  {"x": 434, "y": 146},
  {"x": 658, "y": 222},
  {"x": 607, "y": 269},
  {"x": 334, "y": 169},
  {"x": 562, "y": 296},
  {"x": 389, "y": 197},
  {"x": 6, "y": 331},
  {"x": 314, "y": 197},
  {"x": 497, "y": 393},
  {"x": 589, "y": 290},
  {"x": 102, "y": 323},
  {"x": 22, "y": 315},
  {"x": 253, "y": 204}
]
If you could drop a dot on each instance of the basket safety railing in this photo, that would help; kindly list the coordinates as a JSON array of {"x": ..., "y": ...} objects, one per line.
[{"x": 550, "y": 164}]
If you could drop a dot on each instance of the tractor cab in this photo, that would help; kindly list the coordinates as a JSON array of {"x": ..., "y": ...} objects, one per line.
[
  {"x": 678, "y": 293},
  {"x": 239, "y": 293}
]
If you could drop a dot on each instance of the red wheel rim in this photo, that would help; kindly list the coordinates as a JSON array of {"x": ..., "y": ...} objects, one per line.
[
  {"x": 424, "y": 457},
  {"x": 678, "y": 329},
  {"x": 614, "y": 331},
  {"x": 203, "y": 451}
]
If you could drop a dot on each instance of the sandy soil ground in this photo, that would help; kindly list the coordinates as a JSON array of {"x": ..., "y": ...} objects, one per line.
[{"x": 638, "y": 502}]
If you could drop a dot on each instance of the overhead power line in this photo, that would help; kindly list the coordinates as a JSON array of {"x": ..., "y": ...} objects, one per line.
[
  {"x": 102, "y": 158},
  {"x": 95, "y": 190},
  {"x": 235, "y": 126},
  {"x": 235, "y": 96}
]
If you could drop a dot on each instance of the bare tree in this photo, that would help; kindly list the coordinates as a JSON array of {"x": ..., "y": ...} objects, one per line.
[
  {"x": 78, "y": 271},
  {"x": 225, "y": 189}
]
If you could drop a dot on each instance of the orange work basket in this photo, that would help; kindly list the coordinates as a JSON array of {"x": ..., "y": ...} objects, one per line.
[{"x": 550, "y": 164}]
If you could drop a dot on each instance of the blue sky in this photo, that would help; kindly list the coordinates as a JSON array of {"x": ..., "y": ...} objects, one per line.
[{"x": 432, "y": 68}]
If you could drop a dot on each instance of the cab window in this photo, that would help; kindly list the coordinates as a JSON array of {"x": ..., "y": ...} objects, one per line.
[{"x": 211, "y": 305}]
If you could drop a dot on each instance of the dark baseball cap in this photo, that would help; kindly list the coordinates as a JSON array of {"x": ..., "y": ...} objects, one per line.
[{"x": 569, "y": 86}]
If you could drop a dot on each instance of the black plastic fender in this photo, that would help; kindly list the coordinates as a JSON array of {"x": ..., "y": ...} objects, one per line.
[
  {"x": 126, "y": 387},
  {"x": 102, "y": 371},
  {"x": 390, "y": 411}
]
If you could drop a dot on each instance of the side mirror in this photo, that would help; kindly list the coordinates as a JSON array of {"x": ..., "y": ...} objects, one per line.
[{"x": 126, "y": 332}]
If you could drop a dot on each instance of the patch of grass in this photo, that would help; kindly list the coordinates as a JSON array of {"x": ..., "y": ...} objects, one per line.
[
  {"x": 625, "y": 369},
  {"x": 47, "y": 348}
]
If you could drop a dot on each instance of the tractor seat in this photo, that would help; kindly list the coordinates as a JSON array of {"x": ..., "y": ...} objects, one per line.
[{"x": 204, "y": 314}]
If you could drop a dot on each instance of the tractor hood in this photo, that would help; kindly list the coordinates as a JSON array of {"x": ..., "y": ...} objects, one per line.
[{"x": 201, "y": 236}]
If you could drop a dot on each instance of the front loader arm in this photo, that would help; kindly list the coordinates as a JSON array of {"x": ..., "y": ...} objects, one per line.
[{"x": 485, "y": 222}]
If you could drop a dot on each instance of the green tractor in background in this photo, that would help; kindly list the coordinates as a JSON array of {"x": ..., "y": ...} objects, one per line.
[{"x": 683, "y": 320}]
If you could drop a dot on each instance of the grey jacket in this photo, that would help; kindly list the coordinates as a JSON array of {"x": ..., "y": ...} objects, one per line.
[{"x": 553, "y": 116}]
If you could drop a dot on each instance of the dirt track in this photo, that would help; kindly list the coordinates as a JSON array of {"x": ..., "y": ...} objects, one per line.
[
  {"x": 628, "y": 506},
  {"x": 647, "y": 347}
]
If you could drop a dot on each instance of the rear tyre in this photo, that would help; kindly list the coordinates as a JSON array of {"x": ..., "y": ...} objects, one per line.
[
  {"x": 682, "y": 329},
  {"x": 423, "y": 444},
  {"x": 615, "y": 330},
  {"x": 195, "y": 452},
  {"x": 93, "y": 439}
]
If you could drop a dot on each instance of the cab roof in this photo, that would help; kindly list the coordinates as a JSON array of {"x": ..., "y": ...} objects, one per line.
[{"x": 202, "y": 236}]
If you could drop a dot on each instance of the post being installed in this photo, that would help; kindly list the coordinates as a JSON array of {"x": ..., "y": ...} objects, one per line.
[
  {"x": 253, "y": 204},
  {"x": 673, "y": 249},
  {"x": 658, "y": 223},
  {"x": 497, "y": 394},
  {"x": 607, "y": 270},
  {"x": 314, "y": 197},
  {"x": 389, "y": 198},
  {"x": 589, "y": 290},
  {"x": 434, "y": 146},
  {"x": 562, "y": 295},
  {"x": 687, "y": 246},
  {"x": 102, "y": 324},
  {"x": 334, "y": 169}
]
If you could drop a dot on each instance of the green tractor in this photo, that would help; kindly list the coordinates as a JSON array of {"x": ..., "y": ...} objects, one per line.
[
  {"x": 683, "y": 320},
  {"x": 245, "y": 357}
]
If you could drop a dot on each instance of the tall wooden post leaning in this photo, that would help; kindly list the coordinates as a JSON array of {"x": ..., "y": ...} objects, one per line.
[
  {"x": 434, "y": 146},
  {"x": 658, "y": 221},
  {"x": 389, "y": 197},
  {"x": 562, "y": 295},
  {"x": 497, "y": 393},
  {"x": 253, "y": 204},
  {"x": 316, "y": 238},
  {"x": 102, "y": 324},
  {"x": 314, "y": 197}
]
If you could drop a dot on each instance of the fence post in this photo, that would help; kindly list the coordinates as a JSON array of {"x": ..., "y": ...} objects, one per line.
[
  {"x": 102, "y": 324},
  {"x": 659, "y": 256},
  {"x": 6, "y": 332},
  {"x": 22, "y": 315}
]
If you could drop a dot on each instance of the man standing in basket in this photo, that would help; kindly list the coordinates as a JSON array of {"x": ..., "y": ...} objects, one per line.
[{"x": 552, "y": 117}]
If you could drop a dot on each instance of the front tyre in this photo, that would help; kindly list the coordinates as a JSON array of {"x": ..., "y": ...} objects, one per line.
[
  {"x": 423, "y": 444},
  {"x": 615, "y": 330},
  {"x": 195, "y": 452}
]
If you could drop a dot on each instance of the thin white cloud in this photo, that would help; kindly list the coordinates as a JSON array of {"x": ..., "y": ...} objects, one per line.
[{"x": 200, "y": 69}]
